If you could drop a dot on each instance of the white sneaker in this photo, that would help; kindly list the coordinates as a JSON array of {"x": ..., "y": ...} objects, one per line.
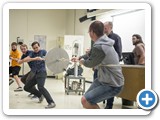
[
  {"x": 30, "y": 95},
  {"x": 51, "y": 105}
]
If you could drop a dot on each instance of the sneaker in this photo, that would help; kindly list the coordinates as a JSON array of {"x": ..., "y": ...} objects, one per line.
[
  {"x": 11, "y": 81},
  {"x": 34, "y": 96},
  {"x": 30, "y": 95},
  {"x": 41, "y": 99},
  {"x": 18, "y": 89},
  {"x": 51, "y": 105}
]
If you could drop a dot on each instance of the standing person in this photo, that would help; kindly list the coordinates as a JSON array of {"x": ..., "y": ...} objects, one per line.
[
  {"x": 108, "y": 30},
  {"x": 39, "y": 70},
  {"x": 15, "y": 67},
  {"x": 110, "y": 79},
  {"x": 139, "y": 50},
  {"x": 29, "y": 75}
]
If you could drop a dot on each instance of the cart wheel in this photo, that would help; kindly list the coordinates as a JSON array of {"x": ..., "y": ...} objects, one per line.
[
  {"x": 79, "y": 93},
  {"x": 67, "y": 93}
]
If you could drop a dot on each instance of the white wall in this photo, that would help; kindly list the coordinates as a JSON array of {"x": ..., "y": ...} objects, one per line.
[
  {"x": 27, "y": 23},
  {"x": 18, "y": 25},
  {"x": 70, "y": 22},
  {"x": 74, "y": 27}
]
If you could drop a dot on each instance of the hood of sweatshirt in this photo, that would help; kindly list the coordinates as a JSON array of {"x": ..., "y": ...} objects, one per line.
[{"x": 104, "y": 40}]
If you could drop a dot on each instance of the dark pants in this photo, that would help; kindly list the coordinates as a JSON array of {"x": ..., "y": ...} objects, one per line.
[
  {"x": 110, "y": 100},
  {"x": 38, "y": 79},
  {"x": 27, "y": 77},
  {"x": 14, "y": 70}
]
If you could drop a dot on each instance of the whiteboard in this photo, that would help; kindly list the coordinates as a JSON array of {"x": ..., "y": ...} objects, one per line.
[
  {"x": 125, "y": 25},
  {"x": 41, "y": 39},
  {"x": 70, "y": 41}
]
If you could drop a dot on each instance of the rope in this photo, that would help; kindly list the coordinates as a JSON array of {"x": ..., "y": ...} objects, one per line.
[
  {"x": 62, "y": 59},
  {"x": 111, "y": 65}
]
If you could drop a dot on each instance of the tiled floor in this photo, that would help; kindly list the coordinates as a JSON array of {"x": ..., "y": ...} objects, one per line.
[{"x": 20, "y": 100}]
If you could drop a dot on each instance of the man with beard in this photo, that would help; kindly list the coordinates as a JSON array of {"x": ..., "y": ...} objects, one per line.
[
  {"x": 15, "y": 67},
  {"x": 139, "y": 50}
]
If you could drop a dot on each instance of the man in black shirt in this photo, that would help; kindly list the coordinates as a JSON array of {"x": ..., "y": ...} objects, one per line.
[{"x": 108, "y": 26}]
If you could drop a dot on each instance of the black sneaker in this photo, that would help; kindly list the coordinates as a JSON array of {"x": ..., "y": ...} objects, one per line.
[
  {"x": 41, "y": 99},
  {"x": 18, "y": 89},
  {"x": 108, "y": 107},
  {"x": 51, "y": 105},
  {"x": 11, "y": 81}
]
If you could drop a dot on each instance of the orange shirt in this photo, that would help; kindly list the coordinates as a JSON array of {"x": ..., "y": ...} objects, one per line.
[{"x": 15, "y": 54}]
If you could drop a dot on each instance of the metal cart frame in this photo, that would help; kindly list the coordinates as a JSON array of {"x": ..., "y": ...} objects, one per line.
[{"x": 79, "y": 79}]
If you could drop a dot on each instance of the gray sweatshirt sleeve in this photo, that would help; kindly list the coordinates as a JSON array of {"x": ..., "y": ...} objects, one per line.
[
  {"x": 95, "y": 58},
  {"x": 84, "y": 57}
]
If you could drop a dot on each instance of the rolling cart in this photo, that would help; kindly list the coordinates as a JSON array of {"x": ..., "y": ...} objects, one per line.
[{"x": 74, "y": 84}]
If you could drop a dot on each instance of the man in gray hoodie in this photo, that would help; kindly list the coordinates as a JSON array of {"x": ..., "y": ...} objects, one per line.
[{"x": 103, "y": 56}]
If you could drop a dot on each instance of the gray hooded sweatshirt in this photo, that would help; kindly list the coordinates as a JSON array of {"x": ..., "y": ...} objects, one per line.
[{"x": 104, "y": 57}]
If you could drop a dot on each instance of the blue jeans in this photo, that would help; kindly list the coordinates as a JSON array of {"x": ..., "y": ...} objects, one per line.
[
  {"x": 99, "y": 91},
  {"x": 110, "y": 100}
]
